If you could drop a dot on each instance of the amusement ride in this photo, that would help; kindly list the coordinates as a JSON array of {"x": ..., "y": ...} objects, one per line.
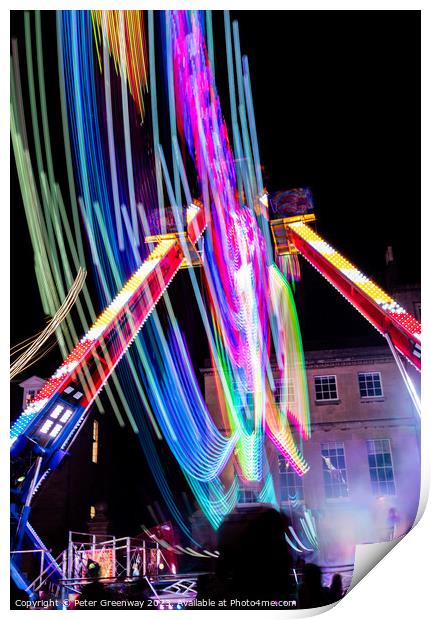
[{"x": 147, "y": 211}]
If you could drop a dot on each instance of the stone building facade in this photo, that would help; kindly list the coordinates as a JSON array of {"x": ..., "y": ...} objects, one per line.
[{"x": 364, "y": 452}]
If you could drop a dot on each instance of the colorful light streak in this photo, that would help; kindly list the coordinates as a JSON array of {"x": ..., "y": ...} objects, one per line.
[
  {"x": 27, "y": 358},
  {"x": 143, "y": 287},
  {"x": 289, "y": 352},
  {"x": 115, "y": 177},
  {"x": 235, "y": 260},
  {"x": 43, "y": 202},
  {"x": 124, "y": 33}
]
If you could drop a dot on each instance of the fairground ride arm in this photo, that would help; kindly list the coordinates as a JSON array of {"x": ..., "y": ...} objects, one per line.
[
  {"x": 51, "y": 421},
  {"x": 381, "y": 310}
]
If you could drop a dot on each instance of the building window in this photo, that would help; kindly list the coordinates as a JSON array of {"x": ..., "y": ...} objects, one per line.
[
  {"x": 291, "y": 487},
  {"x": 381, "y": 468},
  {"x": 95, "y": 446},
  {"x": 370, "y": 384},
  {"x": 244, "y": 398},
  {"x": 31, "y": 395},
  {"x": 285, "y": 393},
  {"x": 92, "y": 512},
  {"x": 325, "y": 388},
  {"x": 334, "y": 469},
  {"x": 247, "y": 495}
]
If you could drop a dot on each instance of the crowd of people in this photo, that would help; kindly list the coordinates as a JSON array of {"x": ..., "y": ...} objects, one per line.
[
  {"x": 312, "y": 592},
  {"x": 254, "y": 569},
  {"x": 255, "y": 565}
]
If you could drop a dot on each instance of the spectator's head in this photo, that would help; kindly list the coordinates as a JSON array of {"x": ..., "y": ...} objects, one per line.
[
  {"x": 254, "y": 556},
  {"x": 300, "y": 564},
  {"x": 93, "y": 569},
  {"x": 337, "y": 585},
  {"x": 312, "y": 576},
  {"x": 312, "y": 593}
]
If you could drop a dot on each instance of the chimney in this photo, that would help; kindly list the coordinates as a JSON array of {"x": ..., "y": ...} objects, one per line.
[{"x": 391, "y": 272}]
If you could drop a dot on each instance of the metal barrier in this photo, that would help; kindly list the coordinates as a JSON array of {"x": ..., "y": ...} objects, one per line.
[
  {"x": 119, "y": 558},
  {"x": 45, "y": 568}
]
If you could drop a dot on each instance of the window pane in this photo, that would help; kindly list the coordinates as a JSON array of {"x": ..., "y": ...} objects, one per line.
[
  {"x": 370, "y": 384},
  {"x": 291, "y": 486},
  {"x": 334, "y": 469},
  {"x": 381, "y": 474},
  {"x": 380, "y": 467},
  {"x": 325, "y": 387},
  {"x": 387, "y": 459},
  {"x": 383, "y": 488}
]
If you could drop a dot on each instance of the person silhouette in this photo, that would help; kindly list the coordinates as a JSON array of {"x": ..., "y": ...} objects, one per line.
[
  {"x": 254, "y": 562},
  {"x": 94, "y": 591},
  {"x": 336, "y": 588},
  {"x": 311, "y": 592}
]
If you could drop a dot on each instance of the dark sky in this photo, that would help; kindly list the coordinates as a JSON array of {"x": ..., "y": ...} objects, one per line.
[
  {"x": 336, "y": 99},
  {"x": 337, "y": 106}
]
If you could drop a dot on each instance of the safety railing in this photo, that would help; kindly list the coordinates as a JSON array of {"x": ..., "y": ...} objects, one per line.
[{"x": 118, "y": 558}]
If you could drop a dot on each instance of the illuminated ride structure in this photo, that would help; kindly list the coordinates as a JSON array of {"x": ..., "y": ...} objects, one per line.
[
  {"x": 400, "y": 328},
  {"x": 248, "y": 299},
  {"x": 48, "y": 427},
  {"x": 52, "y": 421}
]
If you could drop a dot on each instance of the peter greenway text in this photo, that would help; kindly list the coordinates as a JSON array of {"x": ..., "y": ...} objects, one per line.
[{"x": 208, "y": 603}]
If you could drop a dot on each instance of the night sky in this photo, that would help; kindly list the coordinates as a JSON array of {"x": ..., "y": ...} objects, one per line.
[{"x": 337, "y": 105}]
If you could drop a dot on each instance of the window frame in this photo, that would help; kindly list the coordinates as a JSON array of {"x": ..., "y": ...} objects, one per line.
[
  {"x": 31, "y": 394},
  {"x": 325, "y": 400},
  {"x": 242, "y": 489},
  {"x": 290, "y": 388},
  {"x": 338, "y": 497},
  {"x": 384, "y": 467},
  {"x": 95, "y": 442},
  {"x": 375, "y": 397},
  {"x": 289, "y": 470}
]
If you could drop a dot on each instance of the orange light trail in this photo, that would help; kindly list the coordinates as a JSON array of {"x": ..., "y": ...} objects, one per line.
[{"x": 130, "y": 57}]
